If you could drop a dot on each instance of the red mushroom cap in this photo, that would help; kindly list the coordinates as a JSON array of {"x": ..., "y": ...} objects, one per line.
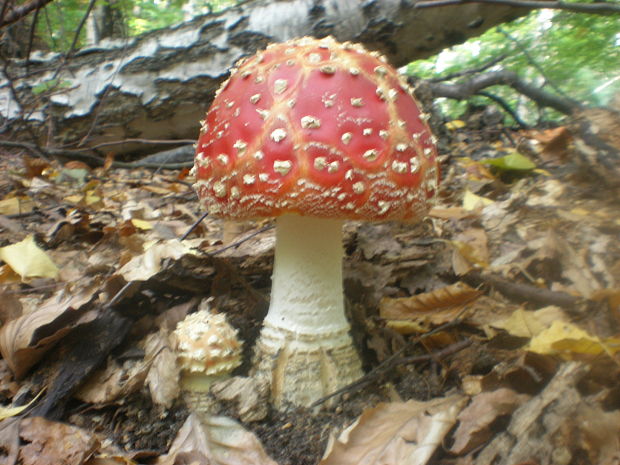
[{"x": 318, "y": 128}]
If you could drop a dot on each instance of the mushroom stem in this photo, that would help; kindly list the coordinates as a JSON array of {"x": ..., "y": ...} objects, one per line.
[{"x": 305, "y": 349}]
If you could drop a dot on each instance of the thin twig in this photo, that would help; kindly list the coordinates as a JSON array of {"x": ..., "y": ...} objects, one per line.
[
  {"x": 142, "y": 141},
  {"x": 438, "y": 355},
  {"x": 507, "y": 108},
  {"x": 194, "y": 226},
  {"x": 15, "y": 14},
  {"x": 74, "y": 42},
  {"x": 596, "y": 8},
  {"x": 480, "y": 69},
  {"x": 241, "y": 241},
  {"x": 387, "y": 364},
  {"x": 530, "y": 59}
]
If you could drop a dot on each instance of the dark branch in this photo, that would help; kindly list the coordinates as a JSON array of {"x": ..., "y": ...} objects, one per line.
[
  {"x": 464, "y": 90},
  {"x": 597, "y": 8},
  {"x": 16, "y": 13},
  {"x": 507, "y": 108}
]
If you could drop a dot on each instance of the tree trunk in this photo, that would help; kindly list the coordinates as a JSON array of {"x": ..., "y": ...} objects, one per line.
[{"x": 159, "y": 85}]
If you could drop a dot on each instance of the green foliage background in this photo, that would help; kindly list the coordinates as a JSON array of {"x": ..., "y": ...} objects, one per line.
[{"x": 575, "y": 55}]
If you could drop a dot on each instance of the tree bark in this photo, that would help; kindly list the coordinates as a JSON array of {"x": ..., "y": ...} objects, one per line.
[{"x": 159, "y": 85}]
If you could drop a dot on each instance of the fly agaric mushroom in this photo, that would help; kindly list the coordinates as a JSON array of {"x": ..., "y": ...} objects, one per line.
[{"x": 313, "y": 132}]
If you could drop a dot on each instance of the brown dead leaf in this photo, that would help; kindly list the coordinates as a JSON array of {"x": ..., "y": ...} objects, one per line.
[
  {"x": 163, "y": 375},
  {"x": 554, "y": 144},
  {"x": 11, "y": 306},
  {"x": 215, "y": 440},
  {"x": 114, "y": 382},
  {"x": 9, "y": 440},
  {"x": 23, "y": 341},
  {"x": 472, "y": 245},
  {"x": 115, "y": 460},
  {"x": 599, "y": 432},
  {"x": 476, "y": 420},
  {"x": 395, "y": 433},
  {"x": 451, "y": 213},
  {"x": 34, "y": 166},
  {"x": 52, "y": 443},
  {"x": 416, "y": 314}
]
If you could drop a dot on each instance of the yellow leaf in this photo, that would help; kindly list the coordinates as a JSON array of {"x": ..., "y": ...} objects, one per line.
[
  {"x": 455, "y": 124},
  {"x": 28, "y": 260},
  {"x": 580, "y": 211},
  {"x": 142, "y": 224},
  {"x": 15, "y": 206},
  {"x": 568, "y": 340},
  {"x": 8, "y": 412},
  {"x": 524, "y": 323},
  {"x": 472, "y": 201}
]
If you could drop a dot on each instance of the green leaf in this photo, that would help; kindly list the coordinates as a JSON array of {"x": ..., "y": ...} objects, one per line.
[
  {"x": 51, "y": 84},
  {"x": 512, "y": 162}
]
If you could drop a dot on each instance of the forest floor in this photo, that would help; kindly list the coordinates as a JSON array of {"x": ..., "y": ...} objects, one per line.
[{"x": 489, "y": 332}]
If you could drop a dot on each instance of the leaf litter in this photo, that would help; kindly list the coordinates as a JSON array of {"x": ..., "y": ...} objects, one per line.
[{"x": 489, "y": 331}]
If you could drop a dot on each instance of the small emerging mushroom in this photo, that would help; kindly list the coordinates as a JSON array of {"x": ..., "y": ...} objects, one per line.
[
  {"x": 208, "y": 350},
  {"x": 313, "y": 132}
]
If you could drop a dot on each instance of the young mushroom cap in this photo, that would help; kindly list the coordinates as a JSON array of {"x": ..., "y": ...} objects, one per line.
[
  {"x": 313, "y": 132},
  {"x": 207, "y": 350}
]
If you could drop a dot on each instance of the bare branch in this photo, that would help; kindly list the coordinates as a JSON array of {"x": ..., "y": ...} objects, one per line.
[
  {"x": 596, "y": 8},
  {"x": 507, "y": 108},
  {"x": 466, "y": 89},
  {"x": 14, "y": 14}
]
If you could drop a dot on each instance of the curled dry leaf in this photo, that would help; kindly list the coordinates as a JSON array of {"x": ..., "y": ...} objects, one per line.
[
  {"x": 416, "y": 314},
  {"x": 144, "y": 266},
  {"x": 476, "y": 420},
  {"x": 215, "y": 441},
  {"x": 23, "y": 341},
  {"x": 163, "y": 374},
  {"x": 113, "y": 382},
  {"x": 396, "y": 433},
  {"x": 51, "y": 443},
  {"x": 117, "y": 381}
]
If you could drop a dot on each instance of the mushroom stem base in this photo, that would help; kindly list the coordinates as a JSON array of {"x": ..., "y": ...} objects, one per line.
[{"x": 301, "y": 369}]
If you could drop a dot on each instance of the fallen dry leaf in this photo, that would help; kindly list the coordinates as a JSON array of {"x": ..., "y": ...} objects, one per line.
[
  {"x": 215, "y": 441},
  {"x": 23, "y": 341},
  {"x": 526, "y": 323},
  {"x": 163, "y": 375},
  {"x": 144, "y": 266},
  {"x": 52, "y": 443},
  {"x": 598, "y": 433},
  {"x": 417, "y": 313},
  {"x": 476, "y": 420},
  {"x": 473, "y": 202},
  {"x": 9, "y": 440},
  {"x": 15, "y": 205},
  {"x": 569, "y": 341},
  {"x": 395, "y": 433},
  {"x": 8, "y": 412},
  {"x": 114, "y": 382},
  {"x": 28, "y": 260}
]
